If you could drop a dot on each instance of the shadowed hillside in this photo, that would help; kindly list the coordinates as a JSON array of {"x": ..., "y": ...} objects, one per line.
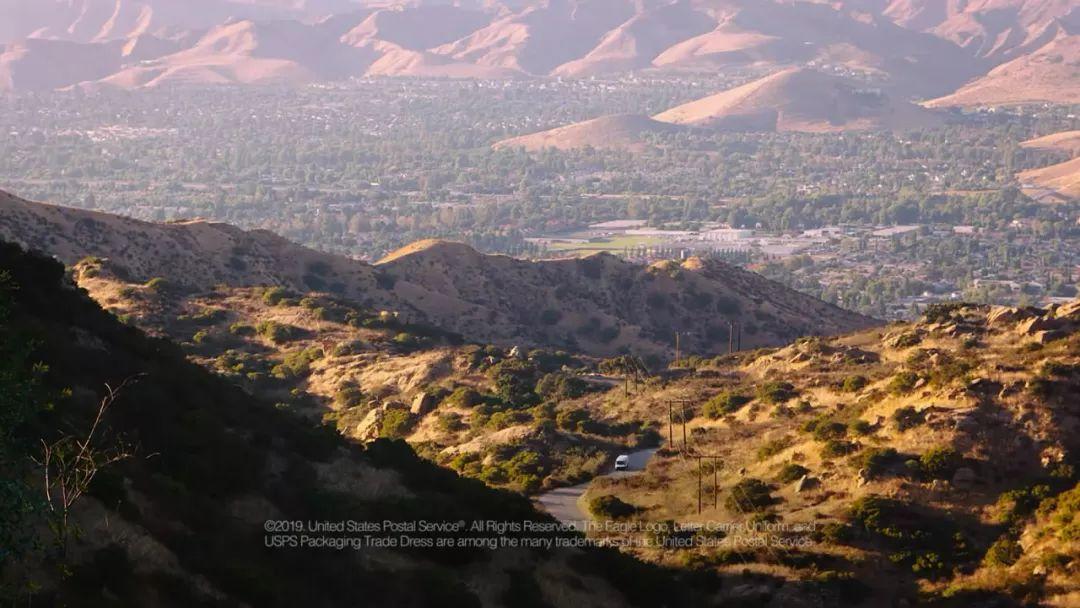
[{"x": 181, "y": 521}]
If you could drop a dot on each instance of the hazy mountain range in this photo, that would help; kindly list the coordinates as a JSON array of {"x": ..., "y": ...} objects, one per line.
[{"x": 966, "y": 53}]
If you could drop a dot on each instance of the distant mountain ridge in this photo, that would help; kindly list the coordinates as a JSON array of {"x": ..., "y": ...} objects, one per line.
[
  {"x": 600, "y": 305},
  {"x": 920, "y": 48},
  {"x": 795, "y": 99}
]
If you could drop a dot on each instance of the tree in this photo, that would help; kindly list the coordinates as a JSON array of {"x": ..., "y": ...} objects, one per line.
[{"x": 70, "y": 463}]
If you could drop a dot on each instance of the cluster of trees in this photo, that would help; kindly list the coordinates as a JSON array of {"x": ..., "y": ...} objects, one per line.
[{"x": 365, "y": 168}]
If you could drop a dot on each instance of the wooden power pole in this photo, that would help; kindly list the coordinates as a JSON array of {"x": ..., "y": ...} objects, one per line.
[
  {"x": 670, "y": 421},
  {"x": 699, "y": 485}
]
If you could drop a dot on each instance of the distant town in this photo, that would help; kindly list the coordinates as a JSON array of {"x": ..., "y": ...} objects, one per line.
[{"x": 838, "y": 257}]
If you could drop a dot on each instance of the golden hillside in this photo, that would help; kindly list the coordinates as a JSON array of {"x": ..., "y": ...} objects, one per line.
[
  {"x": 800, "y": 100},
  {"x": 598, "y": 305},
  {"x": 1050, "y": 73},
  {"x": 617, "y": 131},
  {"x": 923, "y": 458},
  {"x": 1063, "y": 178}
]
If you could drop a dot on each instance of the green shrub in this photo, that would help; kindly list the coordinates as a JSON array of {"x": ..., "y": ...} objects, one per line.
[
  {"x": 241, "y": 329},
  {"x": 791, "y": 472},
  {"x": 854, "y": 384},
  {"x": 1004, "y": 552},
  {"x": 1020, "y": 503},
  {"x": 929, "y": 565},
  {"x": 450, "y": 422},
  {"x": 921, "y": 540},
  {"x": 349, "y": 396},
  {"x": 862, "y": 427},
  {"x": 297, "y": 364},
  {"x": 345, "y": 349},
  {"x": 278, "y": 333},
  {"x": 723, "y": 404},
  {"x": 274, "y": 296},
  {"x": 748, "y": 496},
  {"x": 776, "y": 392},
  {"x": 559, "y": 385},
  {"x": 939, "y": 462},
  {"x": 611, "y": 507},
  {"x": 942, "y": 312},
  {"x": 908, "y": 340},
  {"x": 773, "y": 447},
  {"x": 906, "y": 418},
  {"x": 464, "y": 397},
  {"x": 876, "y": 460},
  {"x": 835, "y": 448},
  {"x": 201, "y": 337},
  {"x": 576, "y": 421},
  {"x": 396, "y": 424},
  {"x": 836, "y": 533},
  {"x": 903, "y": 383},
  {"x": 514, "y": 381},
  {"x": 831, "y": 430},
  {"x": 158, "y": 285}
]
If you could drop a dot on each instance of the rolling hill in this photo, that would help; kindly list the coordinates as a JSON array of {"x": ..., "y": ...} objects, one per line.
[
  {"x": 634, "y": 44},
  {"x": 1049, "y": 74},
  {"x": 417, "y": 28},
  {"x": 542, "y": 36},
  {"x": 105, "y": 20},
  {"x": 599, "y": 305},
  {"x": 1062, "y": 178},
  {"x": 800, "y": 100},
  {"x": 996, "y": 30},
  {"x": 248, "y": 52},
  {"x": 622, "y": 131}
]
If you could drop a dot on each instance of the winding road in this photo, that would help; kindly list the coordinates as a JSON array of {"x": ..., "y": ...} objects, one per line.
[{"x": 564, "y": 504}]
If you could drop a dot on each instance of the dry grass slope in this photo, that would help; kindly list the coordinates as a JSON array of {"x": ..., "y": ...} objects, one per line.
[{"x": 599, "y": 305}]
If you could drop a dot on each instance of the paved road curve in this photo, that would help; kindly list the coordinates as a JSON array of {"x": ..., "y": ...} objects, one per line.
[{"x": 565, "y": 503}]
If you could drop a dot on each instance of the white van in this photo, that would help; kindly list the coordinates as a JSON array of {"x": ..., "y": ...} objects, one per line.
[{"x": 622, "y": 463}]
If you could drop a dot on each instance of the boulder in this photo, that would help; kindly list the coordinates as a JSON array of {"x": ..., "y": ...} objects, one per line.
[
  {"x": 864, "y": 476},
  {"x": 963, "y": 478},
  {"x": 806, "y": 482},
  {"x": 1030, "y": 327},
  {"x": 1004, "y": 315},
  {"x": 368, "y": 428},
  {"x": 423, "y": 404},
  {"x": 1069, "y": 310}
]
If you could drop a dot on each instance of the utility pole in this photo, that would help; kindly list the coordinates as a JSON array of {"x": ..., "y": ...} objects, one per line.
[
  {"x": 683, "y": 417},
  {"x": 670, "y": 421},
  {"x": 716, "y": 481},
  {"x": 699, "y": 485},
  {"x": 715, "y": 486},
  {"x": 730, "y": 337},
  {"x": 676, "y": 349},
  {"x": 684, "y": 444}
]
